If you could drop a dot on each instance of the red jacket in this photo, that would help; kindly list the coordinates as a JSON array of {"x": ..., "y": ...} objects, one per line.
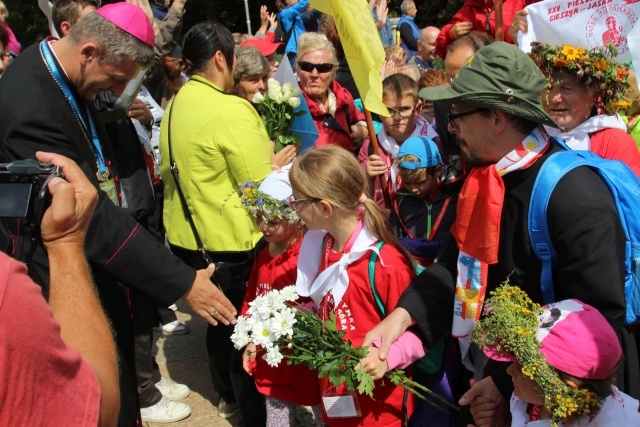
[
  {"x": 293, "y": 383},
  {"x": 335, "y": 130},
  {"x": 475, "y": 11},
  {"x": 616, "y": 144}
]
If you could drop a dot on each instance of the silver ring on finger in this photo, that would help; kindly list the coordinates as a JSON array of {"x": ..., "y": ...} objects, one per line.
[{"x": 213, "y": 312}]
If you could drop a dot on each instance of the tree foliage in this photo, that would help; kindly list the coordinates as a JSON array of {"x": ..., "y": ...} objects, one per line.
[{"x": 30, "y": 25}]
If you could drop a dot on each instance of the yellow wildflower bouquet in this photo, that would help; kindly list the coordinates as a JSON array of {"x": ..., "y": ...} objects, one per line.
[
  {"x": 509, "y": 328},
  {"x": 596, "y": 67}
]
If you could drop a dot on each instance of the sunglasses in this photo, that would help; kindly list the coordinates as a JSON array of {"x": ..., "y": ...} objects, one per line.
[
  {"x": 294, "y": 204},
  {"x": 308, "y": 67}
]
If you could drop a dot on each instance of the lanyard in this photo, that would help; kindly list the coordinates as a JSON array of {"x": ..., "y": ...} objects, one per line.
[
  {"x": 390, "y": 188},
  {"x": 53, "y": 69},
  {"x": 431, "y": 232}
]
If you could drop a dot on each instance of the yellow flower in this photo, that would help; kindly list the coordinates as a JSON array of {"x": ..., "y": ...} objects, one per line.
[
  {"x": 571, "y": 53},
  {"x": 601, "y": 64},
  {"x": 561, "y": 62}
]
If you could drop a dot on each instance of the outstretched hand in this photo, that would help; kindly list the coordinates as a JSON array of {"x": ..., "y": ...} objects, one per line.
[{"x": 208, "y": 301}]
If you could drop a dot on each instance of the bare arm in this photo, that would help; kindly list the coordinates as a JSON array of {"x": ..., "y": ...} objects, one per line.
[{"x": 73, "y": 298}]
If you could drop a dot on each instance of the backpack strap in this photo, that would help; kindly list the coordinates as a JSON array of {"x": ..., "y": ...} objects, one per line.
[
  {"x": 372, "y": 273},
  {"x": 553, "y": 169}
]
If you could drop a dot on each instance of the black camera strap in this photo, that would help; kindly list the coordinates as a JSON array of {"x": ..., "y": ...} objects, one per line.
[{"x": 183, "y": 200}]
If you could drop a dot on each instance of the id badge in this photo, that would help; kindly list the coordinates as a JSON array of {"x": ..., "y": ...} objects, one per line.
[
  {"x": 340, "y": 403},
  {"x": 109, "y": 187}
]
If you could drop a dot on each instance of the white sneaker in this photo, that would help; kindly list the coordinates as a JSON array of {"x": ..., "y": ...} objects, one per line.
[
  {"x": 172, "y": 390},
  {"x": 175, "y": 328},
  {"x": 165, "y": 411}
]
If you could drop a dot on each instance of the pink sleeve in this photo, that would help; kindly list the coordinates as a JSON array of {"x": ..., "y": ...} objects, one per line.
[
  {"x": 406, "y": 350},
  {"x": 363, "y": 154}
]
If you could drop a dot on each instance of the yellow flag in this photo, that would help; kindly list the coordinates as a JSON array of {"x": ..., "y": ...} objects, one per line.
[{"x": 362, "y": 47}]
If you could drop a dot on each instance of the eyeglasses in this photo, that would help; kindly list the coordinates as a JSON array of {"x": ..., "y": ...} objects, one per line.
[
  {"x": 403, "y": 112},
  {"x": 453, "y": 117},
  {"x": 308, "y": 67},
  {"x": 294, "y": 204}
]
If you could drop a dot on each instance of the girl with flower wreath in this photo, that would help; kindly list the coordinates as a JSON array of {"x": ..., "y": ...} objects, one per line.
[
  {"x": 564, "y": 356},
  {"x": 284, "y": 386},
  {"x": 351, "y": 265},
  {"x": 585, "y": 90}
]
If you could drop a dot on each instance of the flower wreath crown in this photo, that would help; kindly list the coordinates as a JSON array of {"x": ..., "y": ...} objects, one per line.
[
  {"x": 509, "y": 327},
  {"x": 257, "y": 202},
  {"x": 595, "y": 67}
]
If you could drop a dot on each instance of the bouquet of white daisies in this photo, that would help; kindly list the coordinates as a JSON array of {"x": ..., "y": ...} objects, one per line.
[{"x": 282, "y": 328}]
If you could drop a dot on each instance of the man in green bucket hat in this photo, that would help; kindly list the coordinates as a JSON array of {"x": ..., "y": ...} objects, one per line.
[{"x": 497, "y": 119}]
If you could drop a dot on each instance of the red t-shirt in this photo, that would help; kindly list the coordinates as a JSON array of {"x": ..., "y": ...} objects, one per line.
[
  {"x": 356, "y": 314},
  {"x": 293, "y": 383},
  {"x": 616, "y": 144},
  {"x": 44, "y": 381}
]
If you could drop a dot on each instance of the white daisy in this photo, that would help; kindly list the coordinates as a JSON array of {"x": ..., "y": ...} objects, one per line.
[
  {"x": 289, "y": 293},
  {"x": 273, "y": 356},
  {"x": 261, "y": 335},
  {"x": 282, "y": 323}
]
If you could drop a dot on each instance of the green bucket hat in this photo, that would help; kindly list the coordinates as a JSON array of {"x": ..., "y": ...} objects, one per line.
[{"x": 499, "y": 76}]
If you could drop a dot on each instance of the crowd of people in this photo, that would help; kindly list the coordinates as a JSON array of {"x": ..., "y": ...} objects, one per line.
[{"x": 403, "y": 228}]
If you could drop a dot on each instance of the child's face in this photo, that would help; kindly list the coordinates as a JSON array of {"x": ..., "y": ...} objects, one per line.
[
  {"x": 276, "y": 230},
  {"x": 526, "y": 389},
  {"x": 403, "y": 120},
  {"x": 421, "y": 188}
]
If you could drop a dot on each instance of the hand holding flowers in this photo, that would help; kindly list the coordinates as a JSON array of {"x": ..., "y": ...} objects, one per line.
[{"x": 282, "y": 328}]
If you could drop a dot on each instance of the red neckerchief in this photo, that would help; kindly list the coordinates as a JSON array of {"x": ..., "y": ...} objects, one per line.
[{"x": 477, "y": 226}]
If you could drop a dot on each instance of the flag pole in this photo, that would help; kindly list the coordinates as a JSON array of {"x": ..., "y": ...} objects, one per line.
[
  {"x": 376, "y": 151},
  {"x": 497, "y": 7}
]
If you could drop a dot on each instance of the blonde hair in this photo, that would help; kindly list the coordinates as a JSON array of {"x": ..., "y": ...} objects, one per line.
[
  {"x": 333, "y": 174},
  {"x": 4, "y": 9},
  {"x": 309, "y": 42}
]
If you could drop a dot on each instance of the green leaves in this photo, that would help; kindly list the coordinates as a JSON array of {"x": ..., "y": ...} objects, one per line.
[{"x": 321, "y": 347}]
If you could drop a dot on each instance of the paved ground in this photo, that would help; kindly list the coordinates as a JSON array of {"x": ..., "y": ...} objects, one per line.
[{"x": 183, "y": 358}]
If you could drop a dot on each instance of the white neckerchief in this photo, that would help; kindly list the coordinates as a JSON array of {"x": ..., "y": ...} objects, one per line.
[
  {"x": 332, "y": 101},
  {"x": 334, "y": 278},
  {"x": 578, "y": 138},
  {"x": 391, "y": 147}
]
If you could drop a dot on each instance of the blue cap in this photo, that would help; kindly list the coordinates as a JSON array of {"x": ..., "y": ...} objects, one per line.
[{"x": 424, "y": 149}]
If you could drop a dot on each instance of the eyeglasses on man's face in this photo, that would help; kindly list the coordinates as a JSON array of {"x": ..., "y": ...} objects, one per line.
[
  {"x": 294, "y": 203},
  {"x": 453, "y": 116}
]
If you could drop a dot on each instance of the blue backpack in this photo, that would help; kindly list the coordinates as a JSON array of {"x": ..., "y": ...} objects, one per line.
[{"x": 625, "y": 189}]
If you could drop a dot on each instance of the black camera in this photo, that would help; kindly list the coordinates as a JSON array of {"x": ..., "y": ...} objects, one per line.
[{"x": 23, "y": 189}]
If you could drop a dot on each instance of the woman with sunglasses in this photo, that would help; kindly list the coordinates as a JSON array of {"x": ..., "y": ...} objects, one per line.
[{"x": 336, "y": 118}]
